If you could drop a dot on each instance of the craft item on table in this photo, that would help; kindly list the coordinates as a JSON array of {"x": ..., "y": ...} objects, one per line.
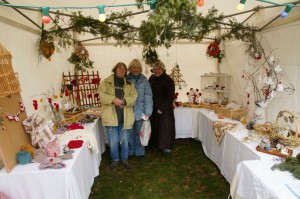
[
  {"x": 40, "y": 155},
  {"x": 81, "y": 134},
  {"x": 220, "y": 116},
  {"x": 244, "y": 120},
  {"x": 55, "y": 163},
  {"x": 74, "y": 144},
  {"x": 66, "y": 156},
  {"x": 265, "y": 144},
  {"x": 220, "y": 128},
  {"x": 284, "y": 152},
  {"x": 251, "y": 137},
  {"x": 28, "y": 148},
  {"x": 52, "y": 149},
  {"x": 74, "y": 126},
  {"x": 39, "y": 130},
  {"x": 67, "y": 150},
  {"x": 194, "y": 96},
  {"x": 24, "y": 157}
]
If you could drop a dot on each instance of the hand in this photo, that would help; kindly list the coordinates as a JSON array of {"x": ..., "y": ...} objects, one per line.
[
  {"x": 159, "y": 112},
  {"x": 117, "y": 102}
]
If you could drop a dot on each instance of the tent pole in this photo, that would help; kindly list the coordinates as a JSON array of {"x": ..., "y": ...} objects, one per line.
[
  {"x": 268, "y": 23},
  {"x": 21, "y": 13}
]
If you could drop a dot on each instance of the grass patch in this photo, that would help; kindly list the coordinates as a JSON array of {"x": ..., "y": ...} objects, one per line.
[{"x": 185, "y": 173}]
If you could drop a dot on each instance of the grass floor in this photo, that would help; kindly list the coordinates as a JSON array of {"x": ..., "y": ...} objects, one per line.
[{"x": 185, "y": 173}]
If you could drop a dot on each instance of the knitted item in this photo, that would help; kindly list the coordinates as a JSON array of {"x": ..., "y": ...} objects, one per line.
[
  {"x": 40, "y": 155},
  {"x": 24, "y": 157},
  {"x": 67, "y": 150},
  {"x": 66, "y": 156},
  {"x": 55, "y": 163},
  {"x": 75, "y": 126},
  {"x": 74, "y": 144},
  {"x": 81, "y": 134},
  {"x": 40, "y": 132},
  {"x": 52, "y": 149},
  {"x": 28, "y": 148}
]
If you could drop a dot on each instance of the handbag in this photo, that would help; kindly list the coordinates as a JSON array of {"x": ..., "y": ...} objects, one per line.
[{"x": 145, "y": 132}]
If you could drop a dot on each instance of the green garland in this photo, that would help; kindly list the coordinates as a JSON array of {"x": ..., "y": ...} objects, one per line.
[
  {"x": 172, "y": 20},
  {"x": 291, "y": 164}
]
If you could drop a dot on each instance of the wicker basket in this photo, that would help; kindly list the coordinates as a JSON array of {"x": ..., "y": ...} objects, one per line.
[{"x": 271, "y": 130}]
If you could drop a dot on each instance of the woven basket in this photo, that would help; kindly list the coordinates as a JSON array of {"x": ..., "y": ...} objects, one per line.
[{"x": 271, "y": 130}]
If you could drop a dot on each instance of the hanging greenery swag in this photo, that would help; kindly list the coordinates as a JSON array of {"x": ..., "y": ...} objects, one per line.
[{"x": 171, "y": 20}]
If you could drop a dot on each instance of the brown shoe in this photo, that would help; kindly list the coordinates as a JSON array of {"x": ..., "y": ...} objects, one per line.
[
  {"x": 126, "y": 164},
  {"x": 113, "y": 165}
]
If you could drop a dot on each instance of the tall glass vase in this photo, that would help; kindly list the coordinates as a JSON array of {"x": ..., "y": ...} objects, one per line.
[{"x": 260, "y": 115}]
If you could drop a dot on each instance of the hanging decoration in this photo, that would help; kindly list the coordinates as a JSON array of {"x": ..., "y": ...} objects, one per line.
[
  {"x": 176, "y": 76},
  {"x": 46, "y": 47},
  {"x": 266, "y": 80},
  {"x": 214, "y": 51},
  {"x": 80, "y": 57},
  {"x": 150, "y": 55},
  {"x": 13, "y": 117}
]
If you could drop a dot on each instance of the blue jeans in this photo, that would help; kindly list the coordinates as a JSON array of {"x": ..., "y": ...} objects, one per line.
[
  {"x": 115, "y": 136},
  {"x": 134, "y": 145}
]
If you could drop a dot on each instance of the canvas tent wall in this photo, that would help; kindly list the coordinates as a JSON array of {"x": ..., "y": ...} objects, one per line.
[{"x": 37, "y": 75}]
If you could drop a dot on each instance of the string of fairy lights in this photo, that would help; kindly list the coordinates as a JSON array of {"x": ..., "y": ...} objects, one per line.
[
  {"x": 284, "y": 14},
  {"x": 152, "y": 3}
]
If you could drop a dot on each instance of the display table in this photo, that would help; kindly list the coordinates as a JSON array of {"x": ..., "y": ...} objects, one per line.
[
  {"x": 255, "y": 179},
  {"x": 231, "y": 151},
  {"x": 74, "y": 181},
  {"x": 186, "y": 122}
]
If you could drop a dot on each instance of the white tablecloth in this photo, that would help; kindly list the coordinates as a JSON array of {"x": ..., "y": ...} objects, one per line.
[
  {"x": 231, "y": 151},
  {"x": 255, "y": 180},
  {"x": 186, "y": 122},
  {"x": 74, "y": 181}
]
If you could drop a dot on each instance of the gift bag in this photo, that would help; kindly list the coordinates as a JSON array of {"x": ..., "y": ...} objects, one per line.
[
  {"x": 39, "y": 130},
  {"x": 145, "y": 132}
]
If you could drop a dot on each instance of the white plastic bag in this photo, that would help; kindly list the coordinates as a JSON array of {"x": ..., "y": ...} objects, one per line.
[{"x": 145, "y": 132}]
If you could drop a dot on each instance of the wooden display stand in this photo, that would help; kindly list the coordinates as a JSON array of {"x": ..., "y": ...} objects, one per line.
[
  {"x": 12, "y": 133},
  {"x": 83, "y": 88}
]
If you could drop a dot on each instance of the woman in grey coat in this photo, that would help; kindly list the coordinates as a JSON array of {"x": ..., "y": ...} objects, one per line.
[{"x": 143, "y": 106}]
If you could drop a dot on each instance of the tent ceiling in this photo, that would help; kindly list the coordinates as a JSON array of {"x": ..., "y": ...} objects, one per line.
[{"x": 228, "y": 7}]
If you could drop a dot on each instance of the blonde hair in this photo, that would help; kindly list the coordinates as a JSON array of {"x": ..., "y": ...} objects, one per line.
[
  {"x": 160, "y": 65},
  {"x": 135, "y": 63}
]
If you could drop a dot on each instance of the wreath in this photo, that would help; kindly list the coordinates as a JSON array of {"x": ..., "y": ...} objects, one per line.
[
  {"x": 214, "y": 51},
  {"x": 80, "y": 57}
]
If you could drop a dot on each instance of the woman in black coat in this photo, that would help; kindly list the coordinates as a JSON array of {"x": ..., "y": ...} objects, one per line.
[{"x": 162, "y": 119}]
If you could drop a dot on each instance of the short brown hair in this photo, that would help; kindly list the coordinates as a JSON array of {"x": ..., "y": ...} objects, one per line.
[{"x": 118, "y": 65}]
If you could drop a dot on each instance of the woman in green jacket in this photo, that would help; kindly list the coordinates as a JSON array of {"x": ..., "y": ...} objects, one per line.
[{"x": 117, "y": 97}]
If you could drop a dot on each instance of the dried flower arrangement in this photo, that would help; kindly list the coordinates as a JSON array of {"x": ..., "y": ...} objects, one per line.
[
  {"x": 265, "y": 78},
  {"x": 80, "y": 57}
]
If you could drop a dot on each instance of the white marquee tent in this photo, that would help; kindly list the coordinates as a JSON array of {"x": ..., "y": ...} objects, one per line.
[
  {"x": 20, "y": 37},
  {"x": 20, "y": 33}
]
